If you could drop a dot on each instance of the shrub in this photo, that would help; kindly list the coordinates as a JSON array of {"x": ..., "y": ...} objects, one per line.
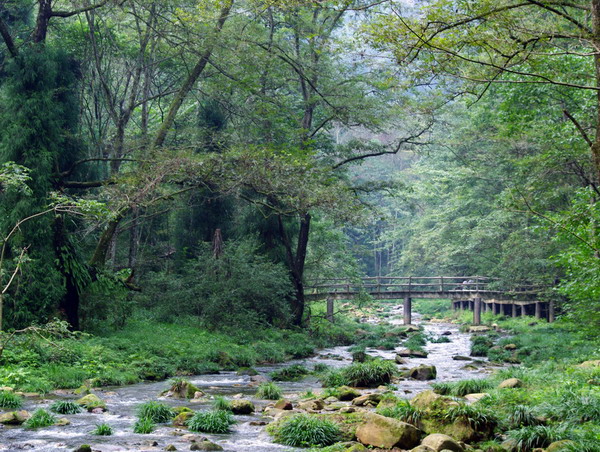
[
  {"x": 155, "y": 411},
  {"x": 402, "y": 411},
  {"x": 221, "y": 403},
  {"x": 370, "y": 373},
  {"x": 292, "y": 373},
  {"x": 103, "y": 430},
  {"x": 529, "y": 438},
  {"x": 521, "y": 416},
  {"x": 10, "y": 400},
  {"x": 304, "y": 430},
  {"x": 144, "y": 426},
  {"x": 65, "y": 407},
  {"x": 40, "y": 418},
  {"x": 477, "y": 417},
  {"x": 211, "y": 421},
  {"x": 269, "y": 391}
]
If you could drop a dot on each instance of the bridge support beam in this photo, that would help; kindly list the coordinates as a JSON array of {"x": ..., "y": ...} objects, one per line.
[
  {"x": 513, "y": 310},
  {"x": 551, "y": 312},
  {"x": 538, "y": 310},
  {"x": 330, "y": 310},
  {"x": 496, "y": 308},
  {"x": 477, "y": 311},
  {"x": 407, "y": 309}
]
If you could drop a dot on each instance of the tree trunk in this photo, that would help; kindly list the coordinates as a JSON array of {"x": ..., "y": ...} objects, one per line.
[
  {"x": 595, "y": 10},
  {"x": 69, "y": 304}
]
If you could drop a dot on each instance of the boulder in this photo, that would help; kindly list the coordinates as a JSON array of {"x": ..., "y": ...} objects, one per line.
[
  {"x": 205, "y": 445},
  {"x": 83, "y": 448},
  {"x": 62, "y": 422},
  {"x": 446, "y": 333},
  {"x": 476, "y": 397},
  {"x": 511, "y": 383},
  {"x": 284, "y": 404},
  {"x": 92, "y": 401},
  {"x": 7, "y": 389},
  {"x": 348, "y": 409},
  {"x": 411, "y": 329},
  {"x": 558, "y": 446},
  {"x": 347, "y": 393},
  {"x": 14, "y": 417},
  {"x": 592, "y": 363},
  {"x": 248, "y": 371},
  {"x": 439, "y": 442},
  {"x": 399, "y": 360},
  {"x": 460, "y": 429},
  {"x": 422, "y": 373},
  {"x": 383, "y": 432},
  {"x": 182, "y": 418},
  {"x": 170, "y": 448},
  {"x": 478, "y": 329},
  {"x": 258, "y": 379},
  {"x": 311, "y": 405},
  {"x": 429, "y": 400},
  {"x": 407, "y": 353},
  {"x": 242, "y": 406},
  {"x": 182, "y": 389},
  {"x": 422, "y": 448},
  {"x": 462, "y": 358},
  {"x": 367, "y": 399},
  {"x": 355, "y": 447},
  {"x": 510, "y": 347}
]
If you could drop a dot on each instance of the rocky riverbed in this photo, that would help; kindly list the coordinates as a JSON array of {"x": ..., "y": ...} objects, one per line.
[{"x": 248, "y": 434}]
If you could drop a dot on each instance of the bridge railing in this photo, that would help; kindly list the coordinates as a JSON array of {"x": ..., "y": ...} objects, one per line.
[{"x": 416, "y": 284}]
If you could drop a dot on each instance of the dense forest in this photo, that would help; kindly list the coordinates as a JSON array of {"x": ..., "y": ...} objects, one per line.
[{"x": 196, "y": 166}]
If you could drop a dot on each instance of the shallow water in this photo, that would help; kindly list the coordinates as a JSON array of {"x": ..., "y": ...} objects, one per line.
[{"x": 122, "y": 402}]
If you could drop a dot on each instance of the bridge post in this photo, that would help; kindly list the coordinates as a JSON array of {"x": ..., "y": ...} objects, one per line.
[
  {"x": 523, "y": 310},
  {"x": 330, "y": 309},
  {"x": 538, "y": 310},
  {"x": 550, "y": 311},
  {"x": 407, "y": 310},
  {"x": 514, "y": 310},
  {"x": 496, "y": 308},
  {"x": 477, "y": 311}
]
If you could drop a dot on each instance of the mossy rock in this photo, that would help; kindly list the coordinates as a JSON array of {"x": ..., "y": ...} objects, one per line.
[
  {"x": 459, "y": 429},
  {"x": 82, "y": 390},
  {"x": 249, "y": 371},
  {"x": 242, "y": 406},
  {"x": 430, "y": 401},
  {"x": 14, "y": 417},
  {"x": 559, "y": 446},
  {"x": 205, "y": 445},
  {"x": 346, "y": 393},
  {"x": 439, "y": 442},
  {"x": 383, "y": 432},
  {"x": 83, "y": 448},
  {"x": 92, "y": 401},
  {"x": 182, "y": 389},
  {"x": 182, "y": 409},
  {"x": 182, "y": 418}
]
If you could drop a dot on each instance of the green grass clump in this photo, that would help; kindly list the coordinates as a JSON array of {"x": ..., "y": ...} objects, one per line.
[
  {"x": 477, "y": 417},
  {"x": 440, "y": 340},
  {"x": 292, "y": 373},
  {"x": 269, "y": 391},
  {"x": 144, "y": 426},
  {"x": 416, "y": 342},
  {"x": 103, "y": 430},
  {"x": 370, "y": 373},
  {"x": 304, "y": 430},
  {"x": 443, "y": 388},
  {"x": 10, "y": 400},
  {"x": 320, "y": 368},
  {"x": 221, "y": 403},
  {"x": 402, "y": 411},
  {"x": 217, "y": 421},
  {"x": 155, "y": 411},
  {"x": 39, "y": 419},
  {"x": 521, "y": 416},
  {"x": 65, "y": 407},
  {"x": 464, "y": 387},
  {"x": 529, "y": 438}
]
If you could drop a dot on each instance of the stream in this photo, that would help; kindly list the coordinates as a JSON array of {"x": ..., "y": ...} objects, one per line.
[{"x": 245, "y": 435}]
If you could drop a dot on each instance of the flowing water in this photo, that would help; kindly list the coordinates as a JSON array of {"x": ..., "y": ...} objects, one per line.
[{"x": 245, "y": 435}]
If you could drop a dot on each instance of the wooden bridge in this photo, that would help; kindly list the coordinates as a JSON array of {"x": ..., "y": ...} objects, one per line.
[{"x": 476, "y": 293}]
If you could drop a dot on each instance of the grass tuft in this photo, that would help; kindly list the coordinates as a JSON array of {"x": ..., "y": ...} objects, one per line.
[
  {"x": 269, "y": 391},
  {"x": 155, "y": 411},
  {"x": 217, "y": 421},
  {"x": 221, "y": 403},
  {"x": 40, "y": 418},
  {"x": 65, "y": 407},
  {"x": 304, "y": 430},
  {"x": 103, "y": 430},
  {"x": 10, "y": 400},
  {"x": 144, "y": 426}
]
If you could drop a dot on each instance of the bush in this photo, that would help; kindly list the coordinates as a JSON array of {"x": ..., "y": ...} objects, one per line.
[
  {"x": 211, "y": 421},
  {"x": 65, "y": 407},
  {"x": 144, "y": 426},
  {"x": 155, "y": 411},
  {"x": 269, "y": 391},
  {"x": 477, "y": 417},
  {"x": 40, "y": 418},
  {"x": 529, "y": 438},
  {"x": 304, "y": 430},
  {"x": 103, "y": 430},
  {"x": 221, "y": 403},
  {"x": 402, "y": 411},
  {"x": 10, "y": 400},
  {"x": 292, "y": 373}
]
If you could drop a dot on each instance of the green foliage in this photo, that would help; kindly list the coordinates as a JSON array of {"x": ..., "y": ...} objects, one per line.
[
  {"x": 462, "y": 387},
  {"x": 521, "y": 416},
  {"x": 476, "y": 416},
  {"x": 528, "y": 438},
  {"x": 304, "y": 430},
  {"x": 155, "y": 411},
  {"x": 221, "y": 403},
  {"x": 65, "y": 407},
  {"x": 10, "y": 400},
  {"x": 217, "y": 421},
  {"x": 39, "y": 419},
  {"x": 402, "y": 411},
  {"x": 103, "y": 430},
  {"x": 144, "y": 426},
  {"x": 269, "y": 391},
  {"x": 294, "y": 372},
  {"x": 369, "y": 374},
  {"x": 416, "y": 342}
]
